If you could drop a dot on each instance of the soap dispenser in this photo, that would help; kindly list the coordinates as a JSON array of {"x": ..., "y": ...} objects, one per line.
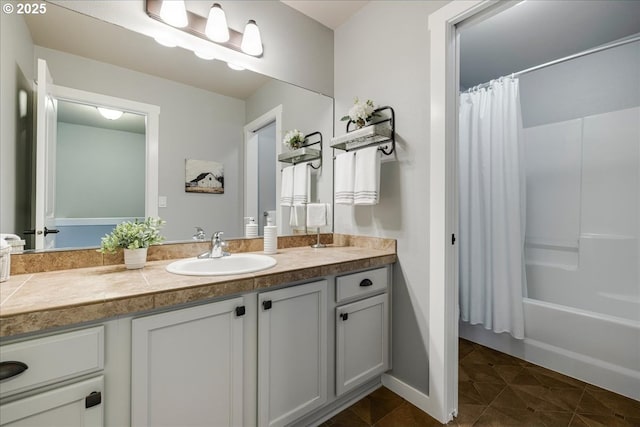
[
  {"x": 270, "y": 237},
  {"x": 251, "y": 228}
]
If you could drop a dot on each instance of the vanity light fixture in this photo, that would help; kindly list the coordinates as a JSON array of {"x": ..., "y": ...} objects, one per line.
[
  {"x": 217, "y": 28},
  {"x": 174, "y": 12},
  {"x": 212, "y": 28},
  {"x": 251, "y": 40},
  {"x": 110, "y": 113}
]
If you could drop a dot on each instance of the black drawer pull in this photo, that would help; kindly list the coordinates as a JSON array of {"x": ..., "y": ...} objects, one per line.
[
  {"x": 266, "y": 305},
  {"x": 240, "y": 311},
  {"x": 366, "y": 282},
  {"x": 94, "y": 399},
  {"x": 344, "y": 316},
  {"x": 11, "y": 369}
]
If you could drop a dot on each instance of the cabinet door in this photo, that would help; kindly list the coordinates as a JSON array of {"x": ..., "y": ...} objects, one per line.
[
  {"x": 186, "y": 366},
  {"x": 362, "y": 342},
  {"x": 292, "y": 352},
  {"x": 69, "y": 406}
]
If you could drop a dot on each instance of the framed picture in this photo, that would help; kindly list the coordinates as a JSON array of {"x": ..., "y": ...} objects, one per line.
[{"x": 203, "y": 176}]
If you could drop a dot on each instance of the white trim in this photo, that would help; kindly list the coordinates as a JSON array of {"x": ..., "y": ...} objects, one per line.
[
  {"x": 152, "y": 133},
  {"x": 409, "y": 393},
  {"x": 91, "y": 221},
  {"x": 274, "y": 114},
  {"x": 443, "y": 334}
]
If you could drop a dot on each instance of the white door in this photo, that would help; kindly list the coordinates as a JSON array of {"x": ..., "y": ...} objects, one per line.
[
  {"x": 46, "y": 130},
  {"x": 76, "y": 405},
  {"x": 187, "y": 366},
  {"x": 362, "y": 342},
  {"x": 292, "y": 352}
]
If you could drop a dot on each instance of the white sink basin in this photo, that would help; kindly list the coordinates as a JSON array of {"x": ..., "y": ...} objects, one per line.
[{"x": 231, "y": 264}]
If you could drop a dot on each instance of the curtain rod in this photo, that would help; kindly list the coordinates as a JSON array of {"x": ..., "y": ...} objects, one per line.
[{"x": 566, "y": 58}]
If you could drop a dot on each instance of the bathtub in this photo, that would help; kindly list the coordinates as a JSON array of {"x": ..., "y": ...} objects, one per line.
[
  {"x": 582, "y": 314},
  {"x": 595, "y": 348}
]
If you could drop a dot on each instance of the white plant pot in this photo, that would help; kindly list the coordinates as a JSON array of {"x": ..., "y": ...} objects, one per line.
[{"x": 135, "y": 258}]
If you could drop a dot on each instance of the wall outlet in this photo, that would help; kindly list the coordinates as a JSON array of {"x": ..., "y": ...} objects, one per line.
[{"x": 162, "y": 201}]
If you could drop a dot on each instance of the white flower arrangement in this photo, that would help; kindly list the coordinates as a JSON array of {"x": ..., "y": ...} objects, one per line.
[
  {"x": 361, "y": 112},
  {"x": 293, "y": 139}
]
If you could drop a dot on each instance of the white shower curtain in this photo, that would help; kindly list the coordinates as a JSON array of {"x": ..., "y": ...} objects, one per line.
[{"x": 492, "y": 215}]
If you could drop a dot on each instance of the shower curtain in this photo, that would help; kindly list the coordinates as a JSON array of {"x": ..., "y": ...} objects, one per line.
[{"x": 492, "y": 208}]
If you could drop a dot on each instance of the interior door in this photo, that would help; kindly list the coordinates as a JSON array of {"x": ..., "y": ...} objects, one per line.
[{"x": 46, "y": 130}]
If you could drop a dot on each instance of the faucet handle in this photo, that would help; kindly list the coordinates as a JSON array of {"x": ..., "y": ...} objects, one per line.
[{"x": 217, "y": 235}]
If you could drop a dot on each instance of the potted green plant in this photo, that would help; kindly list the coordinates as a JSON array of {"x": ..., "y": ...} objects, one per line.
[{"x": 134, "y": 237}]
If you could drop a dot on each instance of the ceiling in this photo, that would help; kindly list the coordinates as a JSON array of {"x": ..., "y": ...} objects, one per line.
[
  {"x": 331, "y": 14},
  {"x": 535, "y": 32},
  {"x": 88, "y": 115}
]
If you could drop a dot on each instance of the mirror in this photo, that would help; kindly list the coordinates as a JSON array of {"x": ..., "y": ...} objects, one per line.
[
  {"x": 102, "y": 159},
  {"x": 204, "y": 108}
]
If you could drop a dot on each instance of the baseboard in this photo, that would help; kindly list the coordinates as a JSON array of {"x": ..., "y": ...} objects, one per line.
[{"x": 411, "y": 394}]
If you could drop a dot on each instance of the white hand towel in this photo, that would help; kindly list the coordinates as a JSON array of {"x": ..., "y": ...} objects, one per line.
[
  {"x": 366, "y": 187},
  {"x": 286, "y": 187},
  {"x": 296, "y": 216},
  {"x": 344, "y": 178},
  {"x": 301, "y": 181},
  {"x": 316, "y": 215}
]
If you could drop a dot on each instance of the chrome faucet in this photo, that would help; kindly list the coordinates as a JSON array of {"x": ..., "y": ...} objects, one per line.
[
  {"x": 218, "y": 246},
  {"x": 199, "y": 234}
]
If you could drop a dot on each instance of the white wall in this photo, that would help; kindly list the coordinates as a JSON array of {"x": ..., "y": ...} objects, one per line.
[
  {"x": 98, "y": 173},
  {"x": 382, "y": 54},
  {"x": 194, "y": 124},
  {"x": 16, "y": 50},
  {"x": 583, "y": 181}
]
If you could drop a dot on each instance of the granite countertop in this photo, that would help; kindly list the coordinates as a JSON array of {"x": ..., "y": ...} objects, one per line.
[{"x": 38, "y": 301}]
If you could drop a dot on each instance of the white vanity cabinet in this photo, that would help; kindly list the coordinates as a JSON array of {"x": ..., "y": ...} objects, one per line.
[
  {"x": 292, "y": 352},
  {"x": 362, "y": 328},
  {"x": 187, "y": 366},
  {"x": 58, "y": 375}
]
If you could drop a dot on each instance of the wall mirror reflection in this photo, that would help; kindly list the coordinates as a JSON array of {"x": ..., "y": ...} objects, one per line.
[{"x": 204, "y": 108}]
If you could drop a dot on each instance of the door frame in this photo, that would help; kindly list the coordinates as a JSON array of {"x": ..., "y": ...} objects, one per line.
[
  {"x": 273, "y": 115},
  {"x": 442, "y": 403},
  {"x": 152, "y": 131}
]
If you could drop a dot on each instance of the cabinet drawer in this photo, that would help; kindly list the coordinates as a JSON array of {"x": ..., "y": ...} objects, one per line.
[
  {"x": 53, "y": 358},
  {"x": 361, "y": 284}
]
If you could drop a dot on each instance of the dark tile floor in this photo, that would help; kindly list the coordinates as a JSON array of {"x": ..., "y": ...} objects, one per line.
[{"x": 496, "y": 389}]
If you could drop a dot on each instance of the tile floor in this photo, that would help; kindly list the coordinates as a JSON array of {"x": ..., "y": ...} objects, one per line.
[{"x": 496, "y": 389}]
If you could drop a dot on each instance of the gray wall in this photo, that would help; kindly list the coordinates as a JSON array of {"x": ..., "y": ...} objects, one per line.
[
  {"x": 194, "y": 124},
  {"x": 16, "y": 50},
  {"x": 382, "y": 54},
  {"x": 99, "y": 173}
]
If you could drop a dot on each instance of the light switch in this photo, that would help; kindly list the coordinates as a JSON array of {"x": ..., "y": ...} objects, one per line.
[{"x": 162, "y": 201}]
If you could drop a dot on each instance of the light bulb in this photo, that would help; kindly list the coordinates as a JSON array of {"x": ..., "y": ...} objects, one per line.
[
  {"x": 165, "y": 41},
  {"x": 251, "y": 40},
  {"x": 235, "y": 66},
  {"x": 109, "y": 113},
  {"x": 174, "y": 12},
  {"x": 217, "y": 28},
  {"x": 204, "y": 54}
]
